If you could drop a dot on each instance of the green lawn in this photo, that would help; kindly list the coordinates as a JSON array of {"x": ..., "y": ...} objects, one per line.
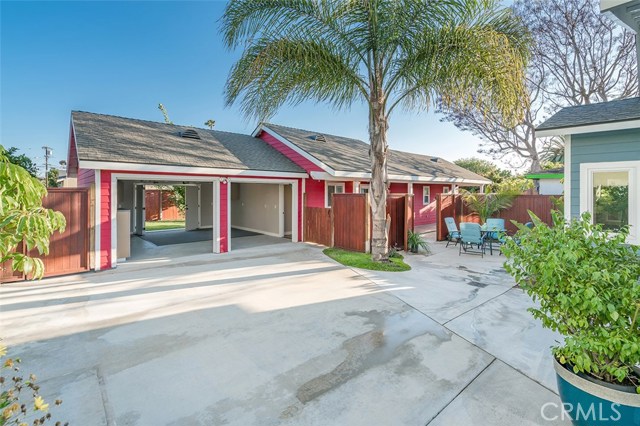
[
  {"x": 363, "y": 260},
  {"x": 163, "y": 224}
]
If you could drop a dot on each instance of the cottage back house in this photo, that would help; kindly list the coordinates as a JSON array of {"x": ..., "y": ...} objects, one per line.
[{"x": 234, "y": 182}]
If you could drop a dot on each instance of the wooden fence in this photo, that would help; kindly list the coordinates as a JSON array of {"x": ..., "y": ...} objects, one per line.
[
  {"x": 400, "y": 209},
  {"x": 159, "y": 206},
  {"x": 347, "y": 224},
  {"x": 69, "y": 251},
  {"x": 350, "y": 221},
  {"x": 453, "y": 206}
]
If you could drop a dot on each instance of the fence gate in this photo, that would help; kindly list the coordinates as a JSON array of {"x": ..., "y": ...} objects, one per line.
[
  {"x": 69, "y": 251},
  {"x": 349, "y": 217}
]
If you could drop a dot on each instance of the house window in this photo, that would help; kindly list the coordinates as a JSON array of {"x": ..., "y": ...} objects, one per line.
[
  {"x": 426, "y": 195},
  {"x": 364, "y": 189},
  {"x": 610, "y": 203},
  {"x": 333, "y": 188},
  {"x": 446, "y": 190},
  {"x": 609, "y": 191}
]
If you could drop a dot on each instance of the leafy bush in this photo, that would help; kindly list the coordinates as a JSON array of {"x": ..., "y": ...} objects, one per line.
[
  {"x": 23, "y": 219},
  {"x": 416, "y": 242},
  {"x": 15, "y": 405},
  {"x": 585, "y": 280}
]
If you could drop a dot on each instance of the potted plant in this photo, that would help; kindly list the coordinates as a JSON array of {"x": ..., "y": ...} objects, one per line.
[
  {"x": 416, "y": 242},
  {"x": 585, "y": 281}
]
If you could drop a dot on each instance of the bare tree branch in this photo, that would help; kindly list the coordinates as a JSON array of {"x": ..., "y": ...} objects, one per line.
[{"x": 580, "y": 57}]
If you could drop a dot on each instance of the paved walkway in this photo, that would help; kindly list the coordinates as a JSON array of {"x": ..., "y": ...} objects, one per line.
[{"x": 283, "y": 335}]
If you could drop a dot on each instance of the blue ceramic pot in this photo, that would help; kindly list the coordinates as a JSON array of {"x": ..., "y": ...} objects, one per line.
[{"x": 588, "y": 403}]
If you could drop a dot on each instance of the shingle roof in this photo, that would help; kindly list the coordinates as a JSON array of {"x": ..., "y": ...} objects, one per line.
[
  {"x": 110, "y": 138},
  {"x": 352, "y": 155},
  {"x": 585, "y": 115}
]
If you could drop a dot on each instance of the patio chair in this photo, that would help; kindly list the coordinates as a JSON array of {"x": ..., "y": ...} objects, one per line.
[
  {"x": 452, "y": 229},
  {"x": 471, "y": 235},
  {"x": 497, "y": 233}
]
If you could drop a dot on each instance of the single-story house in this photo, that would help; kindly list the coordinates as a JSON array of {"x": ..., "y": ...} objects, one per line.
[
  {"x": 602, "y": 161},
  {"x": 547, "y": 182},
  {"x": 256, "y": 183}
]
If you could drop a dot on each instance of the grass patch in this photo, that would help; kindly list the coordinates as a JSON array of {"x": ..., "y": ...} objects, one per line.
[
  {"x": 363, "y": 261},
  {"x": 163, "y": 224}
]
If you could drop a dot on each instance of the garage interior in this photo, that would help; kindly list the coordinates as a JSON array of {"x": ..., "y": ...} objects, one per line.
[{"x": 260, "y": 213}]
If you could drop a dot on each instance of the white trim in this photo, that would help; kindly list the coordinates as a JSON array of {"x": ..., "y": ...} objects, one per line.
[
  {"x": 216, "y": 216},
  {"x": 592, "y": 128},
  {"x": 586, "y": 193},
  {"x": 428, "y": 190},
  {"x": 294, "y": 211},
  {"x": 410, "y": 188},
  {"x": 98, "y": 219},
  {"x": 294, "y": 147},
  {"x": 567, "y": 177},
  {"x": 446, "y": 190},
  {"x": 281, "y": 209},
  {"x": 366, "y": 186},
  {"x": 113, "y": 191},
  {"x": 326, "y": 191},
  {"x": 271, "y": 234},
  {"x": 339, "y": 177},
  {"x": 137, "y": 167},
  {"x": 199, "y": 188}
]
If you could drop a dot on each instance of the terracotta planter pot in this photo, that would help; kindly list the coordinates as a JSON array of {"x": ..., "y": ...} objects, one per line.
[{"x": 589, "y": 403}]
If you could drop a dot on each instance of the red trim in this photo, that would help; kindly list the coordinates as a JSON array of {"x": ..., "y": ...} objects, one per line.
[
  {"x": 292, "y": 155},
  {"x": 224, "y": 217},
  {"x": 105, "y": 219}
]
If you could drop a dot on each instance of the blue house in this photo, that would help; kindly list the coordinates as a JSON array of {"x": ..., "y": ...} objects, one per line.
[{"x": 602, "y": 149}]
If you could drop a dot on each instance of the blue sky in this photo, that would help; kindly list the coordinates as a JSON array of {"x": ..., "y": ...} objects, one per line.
[{"x": 123, "y": 58}]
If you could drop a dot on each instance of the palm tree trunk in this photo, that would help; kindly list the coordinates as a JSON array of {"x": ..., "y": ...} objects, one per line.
[{"x": 378, "y": 190}]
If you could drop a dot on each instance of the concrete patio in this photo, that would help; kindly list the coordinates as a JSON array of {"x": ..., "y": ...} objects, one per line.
[{"x": 281, "y": 334}]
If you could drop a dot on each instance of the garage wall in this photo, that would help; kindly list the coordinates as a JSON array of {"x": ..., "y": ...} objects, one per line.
[
  {"x": 206, "y": 205},
  {"x": 254, "y": 207},
  {"x": 126, "y": 199}
]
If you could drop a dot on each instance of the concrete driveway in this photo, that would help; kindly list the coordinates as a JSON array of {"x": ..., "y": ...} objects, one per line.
[{"x": 282, "y": 335}]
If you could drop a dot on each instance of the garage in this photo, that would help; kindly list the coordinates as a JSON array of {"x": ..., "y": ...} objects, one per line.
[{"x": 239, "y": 191}]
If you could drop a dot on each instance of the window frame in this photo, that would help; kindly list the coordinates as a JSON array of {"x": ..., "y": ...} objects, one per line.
[
  {"x": 428, "y": 195},
  {"x": 363, "y": 186},
  {"x": 446, "y": 190},
  {"x": 587, "y": 171},
  {"x": 327, "y": 184}
]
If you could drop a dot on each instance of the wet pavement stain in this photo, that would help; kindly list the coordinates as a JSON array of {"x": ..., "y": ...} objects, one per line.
[{"x": 372, "y": 348}]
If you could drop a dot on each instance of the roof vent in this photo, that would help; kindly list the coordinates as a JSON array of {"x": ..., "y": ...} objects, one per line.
[
  {"x": 434, "y": 159},
  {"x": 320, "y": 138},
  {"x": 190, "y": 134}
]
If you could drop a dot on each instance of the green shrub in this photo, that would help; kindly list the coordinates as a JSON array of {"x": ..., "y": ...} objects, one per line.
[
  {"x": 585, "y": 280},
  {"x": 416, "y": 242}
]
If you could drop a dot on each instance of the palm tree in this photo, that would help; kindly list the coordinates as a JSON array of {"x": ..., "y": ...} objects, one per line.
[
  {"x": 384, "y": 53},
  {"x": 210, "y": 123}
]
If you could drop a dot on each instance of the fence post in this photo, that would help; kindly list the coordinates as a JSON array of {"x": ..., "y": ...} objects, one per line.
[{"x": 331, "y": 214}]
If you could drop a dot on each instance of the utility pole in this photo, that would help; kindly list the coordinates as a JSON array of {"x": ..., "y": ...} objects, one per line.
[{"x": 48, "y": 152}]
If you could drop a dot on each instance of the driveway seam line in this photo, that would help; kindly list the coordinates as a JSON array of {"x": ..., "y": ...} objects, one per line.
[
  {"x": 476, "y": 307},
  {"x": 461, "y": 390},
  {"x": 108, "y": 409},
  {"x": 454, "y": 332}
]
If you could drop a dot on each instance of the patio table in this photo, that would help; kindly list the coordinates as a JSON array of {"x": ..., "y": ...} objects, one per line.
[{"x": 486, "y": 230}]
